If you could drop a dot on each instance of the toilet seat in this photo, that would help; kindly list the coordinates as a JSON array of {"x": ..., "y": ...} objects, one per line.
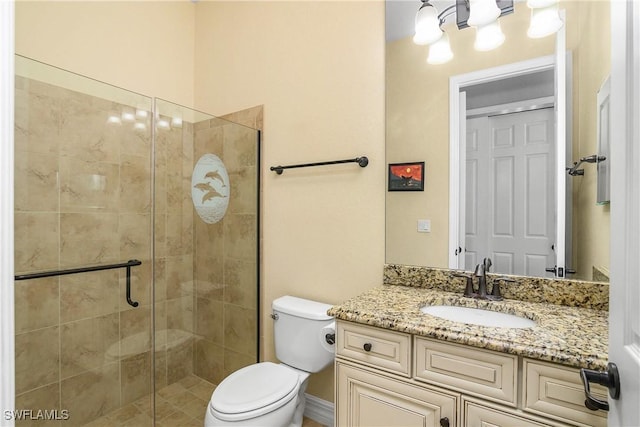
[{"x": 253, "y": 391}]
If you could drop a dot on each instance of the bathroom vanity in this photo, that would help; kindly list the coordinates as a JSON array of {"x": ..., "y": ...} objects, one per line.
[{"x": 397, "y": 366}]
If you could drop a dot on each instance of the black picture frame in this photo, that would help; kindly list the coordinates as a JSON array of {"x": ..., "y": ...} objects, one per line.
[{"x": 407, "y": 176}]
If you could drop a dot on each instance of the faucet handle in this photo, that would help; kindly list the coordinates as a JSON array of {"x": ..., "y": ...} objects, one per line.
[
  {"x": 468, "y": 291},
  {"x": 495, "y": 290}
]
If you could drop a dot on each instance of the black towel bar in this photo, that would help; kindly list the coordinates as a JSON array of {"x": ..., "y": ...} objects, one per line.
[
  {"x": 51, "y": 273},
  {"x": 362, "y": 161}
]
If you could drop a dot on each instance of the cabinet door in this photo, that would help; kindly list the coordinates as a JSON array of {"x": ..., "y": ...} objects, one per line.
[{"x": 366, "y": 398}]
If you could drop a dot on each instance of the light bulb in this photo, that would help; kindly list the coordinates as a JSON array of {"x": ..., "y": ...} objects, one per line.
[
  {"x": 440, "y": 52},
  {"x": 427, "y": 25},
  {"x": 544, "y": 22},
  {"x": 482, "y": 12},
  {"x": 489, "y": 37}
]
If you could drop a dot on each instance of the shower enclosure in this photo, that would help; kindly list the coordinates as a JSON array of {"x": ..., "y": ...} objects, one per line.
[{"x": 136, "y": 253}]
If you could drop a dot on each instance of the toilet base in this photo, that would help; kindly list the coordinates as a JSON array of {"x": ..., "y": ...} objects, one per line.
[{"x": 301, "y": 404}]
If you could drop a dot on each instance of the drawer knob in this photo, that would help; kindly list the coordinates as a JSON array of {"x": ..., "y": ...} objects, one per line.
[
  {"x": 444, "y": 422},
  {"x": 367, "y": 346}
]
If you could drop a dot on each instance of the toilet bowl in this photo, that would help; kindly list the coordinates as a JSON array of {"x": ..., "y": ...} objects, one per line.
[
  {"x": 268, "y": 394},
  {"x": 259, "y": 395}
]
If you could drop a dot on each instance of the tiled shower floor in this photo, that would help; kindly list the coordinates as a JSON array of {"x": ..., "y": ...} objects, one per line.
[{"x": 181, "y": 404}]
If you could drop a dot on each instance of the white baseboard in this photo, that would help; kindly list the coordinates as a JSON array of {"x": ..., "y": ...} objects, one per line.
[{"x": 319, "y": 410}]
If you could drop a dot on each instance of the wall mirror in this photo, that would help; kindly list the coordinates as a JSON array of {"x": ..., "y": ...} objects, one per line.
[{"x": 418, "y": 110}]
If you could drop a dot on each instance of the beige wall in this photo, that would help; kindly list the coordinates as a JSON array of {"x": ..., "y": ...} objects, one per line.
[
  {"x": 318, "y": 68},
  {"x": 591, "y": 232},
  {"x": 143, "y": 46},
  {"x": 418, "y": 119}
]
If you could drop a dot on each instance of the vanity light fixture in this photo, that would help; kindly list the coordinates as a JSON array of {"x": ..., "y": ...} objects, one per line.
[
  {"x": 440, "y": 51},
  {"x": 482, "y": 15},
  {"x": 428, "y": 28},
  {"x": 482, "y": 12},
  {"x": 489, "y": 37},
  {"x": 545, "y": 19}
]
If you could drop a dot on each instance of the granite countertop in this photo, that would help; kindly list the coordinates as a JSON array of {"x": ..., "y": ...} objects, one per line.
[{"x": 571, "y": 336}]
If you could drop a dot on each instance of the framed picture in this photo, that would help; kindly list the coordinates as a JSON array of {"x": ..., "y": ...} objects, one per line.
[{"x": 406, "y": 176}]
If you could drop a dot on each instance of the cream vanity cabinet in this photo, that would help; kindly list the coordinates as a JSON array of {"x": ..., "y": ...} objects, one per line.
[{"x": 387, "y": 379}]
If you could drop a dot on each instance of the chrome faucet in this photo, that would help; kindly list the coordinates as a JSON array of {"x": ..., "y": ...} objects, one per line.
[
  {"x": 481, "y": 274},
  {"x": 482, "y": 281}
]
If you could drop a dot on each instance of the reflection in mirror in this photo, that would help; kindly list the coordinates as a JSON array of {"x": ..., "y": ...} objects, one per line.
[
  {"x": 417, "y": 129},
  {"x": 508, "y": 169}
]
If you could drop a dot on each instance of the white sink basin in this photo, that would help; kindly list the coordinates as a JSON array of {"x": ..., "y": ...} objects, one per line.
[{"x": 477, "y": 316}]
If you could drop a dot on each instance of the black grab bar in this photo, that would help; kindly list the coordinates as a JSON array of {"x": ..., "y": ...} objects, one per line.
[
  {"x": 362, "y": 161},
  {"x": 51, "y": 273}
]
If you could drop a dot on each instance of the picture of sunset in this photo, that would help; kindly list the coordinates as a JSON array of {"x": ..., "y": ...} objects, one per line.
[{"x": 406, "y": 176}]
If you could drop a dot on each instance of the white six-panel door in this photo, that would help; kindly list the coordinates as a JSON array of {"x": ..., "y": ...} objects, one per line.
[
  {"x": 624, "y": 294},
  {"x": 510, "y": 192}
]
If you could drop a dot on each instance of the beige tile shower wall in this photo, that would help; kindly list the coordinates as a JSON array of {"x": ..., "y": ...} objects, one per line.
[
  {"x": 225, "y": 257},
  {"x": 83, "y": 198},
  {"x": 174, "y": 239}
]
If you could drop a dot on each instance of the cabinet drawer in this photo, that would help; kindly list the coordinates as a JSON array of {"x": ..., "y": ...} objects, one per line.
[
  {"x": 480, "y": 414},
  {"x": 556, "y": 391},
  {"x": 366, "y": 398},
  {"x": 381, "y": 348},
  {"x": 487, "y": 374}
]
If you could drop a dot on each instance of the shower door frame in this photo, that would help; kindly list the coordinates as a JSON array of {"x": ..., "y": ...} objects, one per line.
[{"x": 7, "y": 322}]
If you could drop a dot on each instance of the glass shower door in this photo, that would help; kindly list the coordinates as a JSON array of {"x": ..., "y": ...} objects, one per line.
[
  {"x": 136, "y": 253},
  {"x": 82, "y": 200},
  {"x": 206, "y": 257}
]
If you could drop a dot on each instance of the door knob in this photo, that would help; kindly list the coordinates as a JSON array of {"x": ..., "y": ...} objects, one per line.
[{"x": 608, "y": 378}]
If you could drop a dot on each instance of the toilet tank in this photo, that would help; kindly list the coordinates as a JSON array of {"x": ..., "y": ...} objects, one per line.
[{"x": 298, "y": 333}]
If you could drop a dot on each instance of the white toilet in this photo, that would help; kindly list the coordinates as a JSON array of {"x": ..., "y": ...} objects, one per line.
[{"x": 272, "y": 395}]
